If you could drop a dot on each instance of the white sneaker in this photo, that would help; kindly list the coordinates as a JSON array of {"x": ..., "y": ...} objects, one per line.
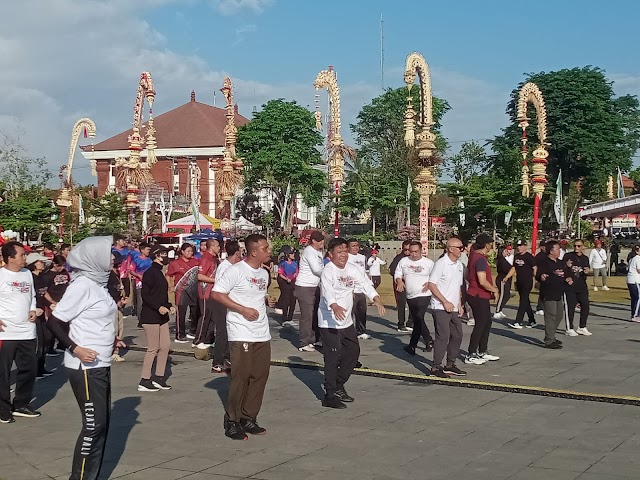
[
  {"x": 307, "y": 348},
  {"x": 278, "y": 311},
  {"x": 289, "y": 323},
  {"x": 571, "y": 333},
  {"x": 584, "y": 331},
  {"x": 605, "y": 287},
  {"x": 202, "y": 346},
  {"x": 117, "y": 358},
  {"x": 475, "y": 360},
  {"x": 636, "y": 319},
  {"x": 364, "y": 336},
  {"x": 471, "y": 322},
  {"x": 540, "y": 312},
  {"x": 191, "y": 337},
  {"x": 499, "y": 315},
  {"x": 595, "y": 289},
  {"x": 489, "y": 357},
  {"x": 515, "y": 325}
]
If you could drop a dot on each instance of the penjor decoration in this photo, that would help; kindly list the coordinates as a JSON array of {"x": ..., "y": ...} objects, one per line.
[
  {"x": 132, "y": 171},
  {"x": 65, "y": 199},
  {"x": 337, "y": 148},
  {"x": 530, "y": 93},
  {"x": 424, "y": 140},
  {"x": 228, "y": 177}
]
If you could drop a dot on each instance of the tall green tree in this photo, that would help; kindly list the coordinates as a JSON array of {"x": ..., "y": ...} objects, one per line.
[
  {"x": 468, "y": 163},
  {"x": 280, "y": 146},
  {"x": 590, "y": 131}
]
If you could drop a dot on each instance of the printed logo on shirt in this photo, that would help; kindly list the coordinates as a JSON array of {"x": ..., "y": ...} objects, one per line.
[
  {"x": 261, "y": 283},
  {"x": 346, "y": 281},
  {"x": 22, "y": 287},
  {"x": 60, "y": 279},
  {"x": 559, "y": 272},
  {"x": 519, "y": 262},
  {"x": 415, "y": 268}
]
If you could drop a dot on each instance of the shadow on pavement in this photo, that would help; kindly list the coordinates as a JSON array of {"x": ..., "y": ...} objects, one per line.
[
  {"x": 516, "y": 336},
  {"x": 313, "y": 379},
  {"x": 47, "y": 388},
  {"x": 124, "y": 416},
  {"x": 221, "y": 386}
]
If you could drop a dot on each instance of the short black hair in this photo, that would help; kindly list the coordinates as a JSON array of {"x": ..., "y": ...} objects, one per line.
[
  {"x": 548, "y": 246},
  {"x": 49, "y": 246},
  {"x": 252, "y": 241},
  {"x": 118, "y": 236},
  {"x": 143, "y": 245},
  {"x": 210, "y": 241},
  {"x": 64, "y": 246},
  {"x": 415, "y": 243},
  {"x": 9, "y": 250},
  {"x": 353, "y": 240},
  {"x": 406, "y": 242},
  {"x": 336, "y": 242},
  {"x": 232, "y": 247},
  {"x": 185, "y": 245},
  {"x": 59, "y": 260}
]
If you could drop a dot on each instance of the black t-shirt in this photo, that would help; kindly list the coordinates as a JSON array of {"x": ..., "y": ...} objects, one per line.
[
  {"x": 394, "y": 263},
  {"x": 524, "y": 264},
  {"x": 115, "y": 287},
  {"x": 57, "y": 283},
  {"x": 40, "y": 286},
  {"x": 577, "y": 263},
  {"x": 503, "y": 267},
  {"x": 555, "y": 283}
]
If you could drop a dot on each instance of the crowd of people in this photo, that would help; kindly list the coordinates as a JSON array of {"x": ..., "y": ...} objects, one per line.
[{"x": 77, "y": 296}]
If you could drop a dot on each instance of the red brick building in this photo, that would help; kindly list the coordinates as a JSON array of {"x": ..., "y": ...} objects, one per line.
[{"x": 188, "y": 138}]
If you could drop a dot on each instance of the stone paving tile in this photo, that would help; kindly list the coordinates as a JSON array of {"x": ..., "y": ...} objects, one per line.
[
  {"x": 156, "y": 473},
  {"x": 190, "y": 464},
  {"x": 533, "y": 473},
  {"x": 569, "y": 458}
]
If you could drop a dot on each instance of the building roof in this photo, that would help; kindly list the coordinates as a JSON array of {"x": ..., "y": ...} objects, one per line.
[
  {"x": 193, "y": 124},
  {"x": 612, "y": 208}
]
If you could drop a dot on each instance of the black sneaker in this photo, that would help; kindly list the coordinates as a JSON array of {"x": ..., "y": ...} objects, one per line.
[
  {"x": 161, "y": 383},
  {"x": 344, "y": 396},
  {"x": 52, "y": 353},
  {"x": 251, "y": 426},
  {"x": 146, "y": 385},
  {"x": 429, "y": 346},
  {"x": 453, "y": 370},
  {"x": 554, "y": 346},
  {"x": 409, "y": 349},
  {"x": 531, "y": 324},
  {"x": 558, "y": 342},
  {"x": 234, "y": 431},
  {"x": 6, "y": 417},
  {"x": 25, "y": 412},
  {"x": 333, "y": 402},
  {"x": 358, "y": 365},
  {"x": 439, "y": 372}
]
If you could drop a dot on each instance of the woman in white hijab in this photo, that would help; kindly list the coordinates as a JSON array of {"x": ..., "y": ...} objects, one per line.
[{"x": 89, "y": 311}]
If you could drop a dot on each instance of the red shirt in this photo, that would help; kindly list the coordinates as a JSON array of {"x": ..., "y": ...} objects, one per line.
[
  {"x": 179, "y": 267},
  {"x": 208, "y": 267},
  {"x": 479, "y": 263}
]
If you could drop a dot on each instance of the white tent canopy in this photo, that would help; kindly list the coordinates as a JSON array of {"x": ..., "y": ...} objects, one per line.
[{"x": 243, "y": 224}]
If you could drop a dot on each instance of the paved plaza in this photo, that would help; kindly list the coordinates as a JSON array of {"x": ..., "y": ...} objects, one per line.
[{"x": 394, "y": 430}]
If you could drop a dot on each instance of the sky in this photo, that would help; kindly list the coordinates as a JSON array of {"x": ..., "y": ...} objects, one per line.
[{"x": 61, "y": 60}]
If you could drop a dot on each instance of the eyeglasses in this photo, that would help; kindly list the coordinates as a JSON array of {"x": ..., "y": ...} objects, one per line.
[
  {"x": 459, "y": 247},
  {"x": 578, "y": 245}
]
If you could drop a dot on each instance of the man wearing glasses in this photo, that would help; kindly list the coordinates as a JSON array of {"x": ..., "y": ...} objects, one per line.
[
  {"x": 577, "y": 292},
  {"x": 401, "y": 297}
]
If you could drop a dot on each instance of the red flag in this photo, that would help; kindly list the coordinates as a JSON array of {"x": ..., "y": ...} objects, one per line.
[{"x": 85, "y": 132}]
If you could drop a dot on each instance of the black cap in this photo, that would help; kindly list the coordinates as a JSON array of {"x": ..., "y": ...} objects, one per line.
[
  {"x": 521, "y": 242},
  {"x": 117, "y": 258},
  {"x": 157, "y": 250},
  {"x": 287, "y": 249}
]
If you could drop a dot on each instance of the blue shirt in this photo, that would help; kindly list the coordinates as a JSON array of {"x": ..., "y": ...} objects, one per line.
[{"x": 289, "y": 270}]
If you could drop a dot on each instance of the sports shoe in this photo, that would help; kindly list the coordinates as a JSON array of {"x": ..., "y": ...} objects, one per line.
[
  {"x": 343, "y": 396},
  {"x": 489, "y": 357},
  {"x": 404, "y": 330},
  {"x": 52, "y": 353},
  {"x": 307, "y": 348},
  {"x": 333, "y": 402},
  {"x": 605, "y": 288},
  {"x": 540, "y": 313},
  {"x": 499, "y": 315},
  {"x": 318, "y": 343},
  {"x": 289, "y": 323},
  {"x": 439, "y": 372},
  {"x": 571, "y": 333},
  {"x": 429, "y": 345},
  {"x": 44, "y": 373},
  {"x": 218, "y": 369},
  {"x": 531, "y": 324},
  {"x": 6, "y": 417},
  {"x": 117, "y": 358},
  {"x": 278, "y": 311},
  {"x": 364, "y": 336},
  {"x": 234, "y": 431},
  {"x": 474, "y": 359},
  {"x": 181, "y": 340},
  {"x": 25, "y": 412},
  {"x": 471, "y": 322},
  {"x": 453, "y": 370},
  {"x": 146, "y": 385},
  {"x": 584, "y": 331},
  {"x": 202, "y": 346},
  {"x": 191, "y": 336},
  {"x": 595, "y": 289},
  {"x": 409, "y": 349},
  {"x": 554, "y": 346},
  {"x": 636, "y": 319},
  {"x": 161, "y": 383},
  {"x": 515, "y": 325},
  {"x": 251, "y": 426}
]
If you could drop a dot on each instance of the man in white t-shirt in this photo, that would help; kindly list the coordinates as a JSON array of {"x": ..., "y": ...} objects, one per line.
[
  {"x": 307, "y": 290},
  {"x": 598, "y": 263},
  {"x": 242, "y": 289},
  {"x": 445, "y": 283},
  {"x": 375, "y": 262},
  {"x": 340, "y": 346},
  {"x": 18, "y": 314},
  {"x": 412, "y": 277},
  {"x": 359, "y": 313}
]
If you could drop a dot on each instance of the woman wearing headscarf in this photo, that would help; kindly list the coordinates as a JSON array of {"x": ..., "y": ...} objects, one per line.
[{"x": 89, "y": 311}]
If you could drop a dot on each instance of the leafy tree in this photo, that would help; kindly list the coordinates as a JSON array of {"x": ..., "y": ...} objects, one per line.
[
  {"x": 468, "y": 163},
  {"x": 248, "y": 206},
  {"x": 107, "y": 214},
  {"x": 590, "y": 132},
  {"x": 280, "y": 146}
]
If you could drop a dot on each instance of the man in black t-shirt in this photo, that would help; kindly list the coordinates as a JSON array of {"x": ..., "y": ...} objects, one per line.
[
  {"x": 401, "y": 297},
  {"x": 578, "y": 292},
  {"x": 524, "y": 268},
  {"x": 540, "y": 256}
]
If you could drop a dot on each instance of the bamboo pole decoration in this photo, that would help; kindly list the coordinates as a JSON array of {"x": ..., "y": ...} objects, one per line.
[
  {"x": 424, "y": 140},
  {"x": 328, "y": 79}
]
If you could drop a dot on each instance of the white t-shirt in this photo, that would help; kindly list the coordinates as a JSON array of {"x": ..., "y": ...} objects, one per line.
[
  {"x": 337, "y": 286},
  {"x": 374, "y": 265},
  {"x": 414, "y": 273},
  {"x": 358, "y": 261},
  {"x": 90, "y": 311},
  {"x": 633, "y": 276},
  {"x": 17, "y": 299},
  {"x": 248, "y": 287},
  {"x": 311, "y": 266},
  {"x": 598, "y": 258},
  {"x": 222, "y": 268},
  {"x": 448, "y": 276}
]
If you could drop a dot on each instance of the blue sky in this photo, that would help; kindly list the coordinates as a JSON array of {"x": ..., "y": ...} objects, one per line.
[{"x": 83, "y": 57}]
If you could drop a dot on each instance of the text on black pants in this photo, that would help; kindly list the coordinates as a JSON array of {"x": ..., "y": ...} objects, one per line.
[
  {"x": 92, "y": 389},
  {"x": 341, "y": 350},
  {"x": 23, "y": 352},
  {"x": 479, "y": 341}
]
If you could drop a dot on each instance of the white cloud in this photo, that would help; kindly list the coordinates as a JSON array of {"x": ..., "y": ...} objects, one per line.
[{"x": 231, "y": 7}]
